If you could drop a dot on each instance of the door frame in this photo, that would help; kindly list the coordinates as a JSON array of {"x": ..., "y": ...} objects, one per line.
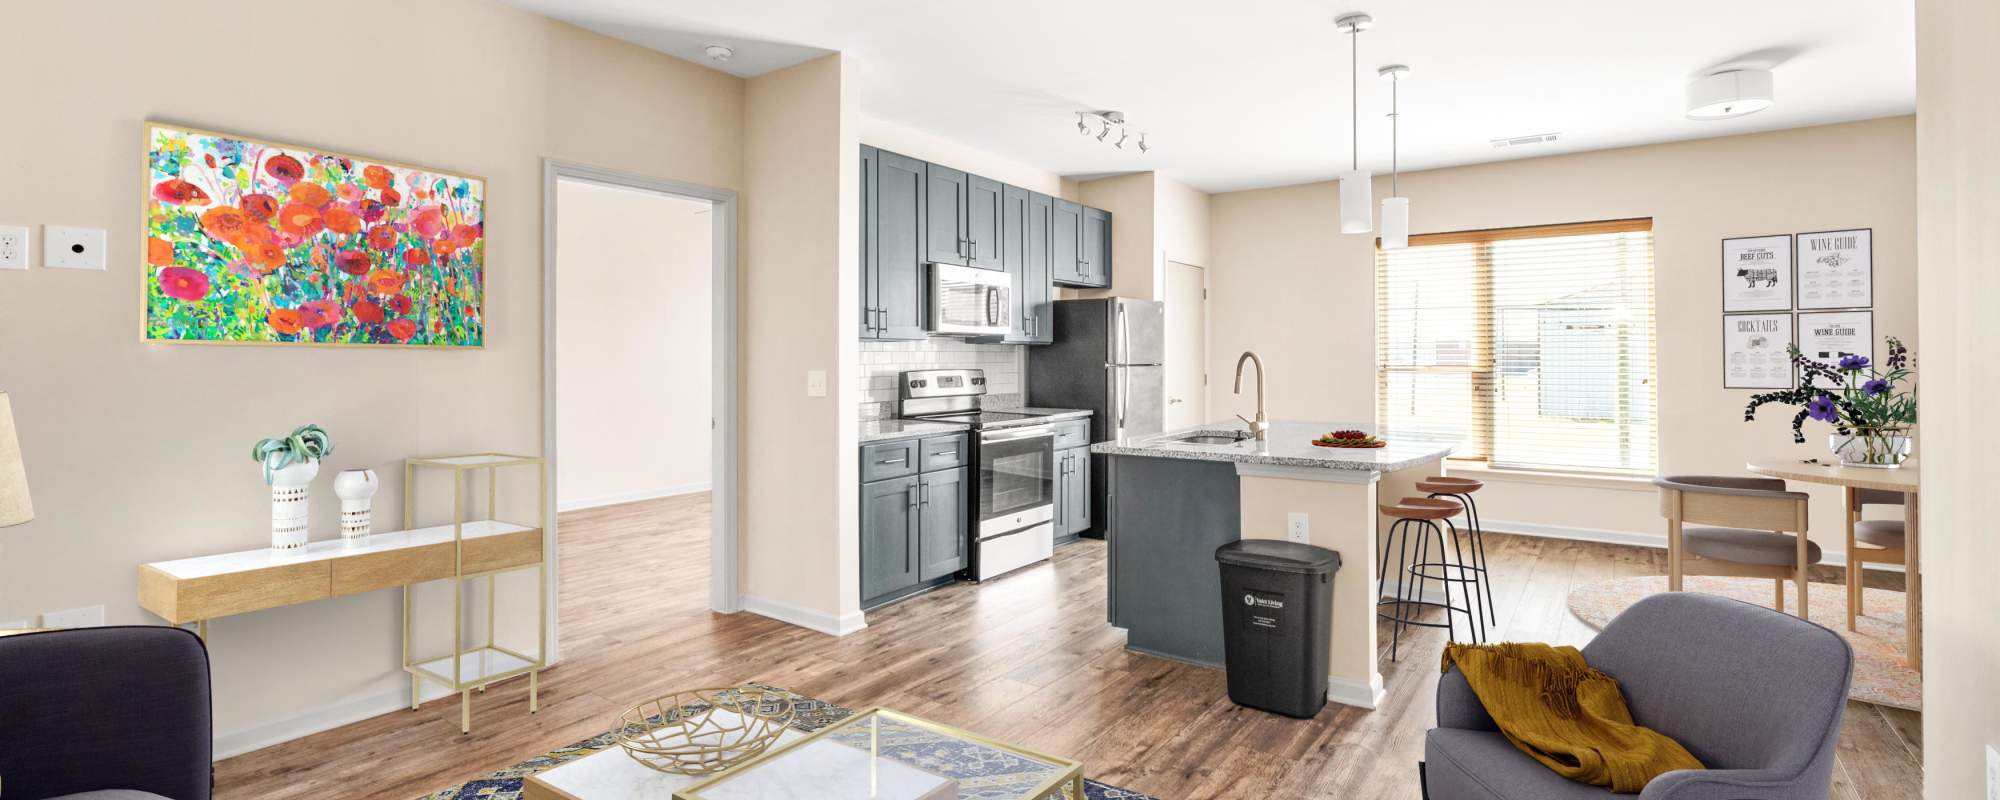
[
  {"x": 1167, "y": 262},
  {"x": 724, "y": 592}
]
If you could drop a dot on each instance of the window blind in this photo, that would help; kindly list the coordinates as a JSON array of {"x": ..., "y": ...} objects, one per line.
[{"x": 1532, "y": 346}]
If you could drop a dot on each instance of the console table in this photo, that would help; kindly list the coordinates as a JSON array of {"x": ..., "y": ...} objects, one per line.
[{"x": 206, "y": 587}]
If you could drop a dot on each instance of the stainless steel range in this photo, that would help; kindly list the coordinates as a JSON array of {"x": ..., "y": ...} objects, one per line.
[{"x": 1013, "y": 517}]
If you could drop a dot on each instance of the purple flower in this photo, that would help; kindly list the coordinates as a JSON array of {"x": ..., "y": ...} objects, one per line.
[
  {"x": 1822, "y": 408},
  {"x": 1876, "y": 386},
  {"x": 1852, "y": 362}
]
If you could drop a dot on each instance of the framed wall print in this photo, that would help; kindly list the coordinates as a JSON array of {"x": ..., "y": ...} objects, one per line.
[
  {"x": 1753, "y": 351},
  {"x": 1757, "y": 274},
  {"x": 1825, "y": 336},
  {"x": 1837, "y": 269},
  {"x": 256, "y": 242}
]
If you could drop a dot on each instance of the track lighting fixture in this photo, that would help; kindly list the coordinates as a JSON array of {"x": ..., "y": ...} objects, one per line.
[
  {"x": 1109, "y": 120},
  {"x": 1142, "y": 142},
  {"x": 1122, "y": 136},
  {"x": 1080, "y": 126},
  {"x": 1105, "y": 132}
]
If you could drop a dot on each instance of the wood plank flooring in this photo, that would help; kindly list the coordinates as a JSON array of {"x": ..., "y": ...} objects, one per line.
[{"x": 1028, "y": 658}]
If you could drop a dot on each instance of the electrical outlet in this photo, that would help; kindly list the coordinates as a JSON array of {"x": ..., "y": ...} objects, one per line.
[
  {"x": 13, "y": 247},
  {"x": 1992, "y": 773},
  {"x": 1297, "y": 529},
  {"x": 86, "y": 617},
  {"x": 64, "y": 247},
  {"x": 816, "y": 383}
]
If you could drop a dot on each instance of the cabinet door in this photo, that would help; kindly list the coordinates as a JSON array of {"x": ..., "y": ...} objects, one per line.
[
  {"x": 1074, "y": 516},
  {"x": 893, "y": 224},
  {"x": 944, "y": 215},
  {"x": 869, "y": 319},
  {"x": 888, "y": 536},
  {"x": 1066, "y": 242},
  {"x": 982, "y": 215},
  {"x": 1062, "y": 498},
  {"x": 1037, "y": 315},
  {"x": 1014, "y": 258},
  {"x": 1096, "y": 269},
  {"x": 941, "y": 548}
]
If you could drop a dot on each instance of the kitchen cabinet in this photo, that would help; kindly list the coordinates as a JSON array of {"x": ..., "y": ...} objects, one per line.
[
  {"x": 1072, "y": 513},
  {"x": 944, "y": 214},
  {"x": 1066, "y": 242},
  {"x": 915, "y": 518},
  {"x": 1096, "y": 268},
  {"x": 1024, "y": 254},
  {"x": 982, "y": 222},
  {"x": 892, "y": 246},
  {"x": 941, "y": 526}
]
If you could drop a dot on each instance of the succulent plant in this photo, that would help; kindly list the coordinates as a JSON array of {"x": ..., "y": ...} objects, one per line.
[{"x": 307, "y": 443}]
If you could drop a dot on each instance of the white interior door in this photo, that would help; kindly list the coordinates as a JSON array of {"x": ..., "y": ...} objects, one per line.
[{"x": 1187, "y": 346}]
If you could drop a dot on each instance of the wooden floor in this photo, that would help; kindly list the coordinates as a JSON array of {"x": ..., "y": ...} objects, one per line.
[{"x": 1028, "y": 658}]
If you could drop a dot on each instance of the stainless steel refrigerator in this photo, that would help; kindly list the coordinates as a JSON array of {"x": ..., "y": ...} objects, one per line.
[{"x": 1107, "y": 357}]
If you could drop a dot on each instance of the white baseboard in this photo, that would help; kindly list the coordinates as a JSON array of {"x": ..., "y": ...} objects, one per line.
[
  {"x": 1355, "y": 693},
  {"x": 324, "y": 718},
  {"x": 581, "y": 503},
  {"x": 1657, "y": 541},
  {"x": 807, "y": 618}
]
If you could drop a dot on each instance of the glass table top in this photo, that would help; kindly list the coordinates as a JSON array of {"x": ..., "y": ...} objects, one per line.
[{"x": 887, "y": 755}]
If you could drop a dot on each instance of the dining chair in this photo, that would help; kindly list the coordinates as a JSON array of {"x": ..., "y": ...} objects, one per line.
[
  {"x": 1738, "y": 526},
  {"x": 1869, "y": 541}
]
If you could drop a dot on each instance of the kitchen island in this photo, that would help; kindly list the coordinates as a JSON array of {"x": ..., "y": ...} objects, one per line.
[{"x": 1174, "y": 498}]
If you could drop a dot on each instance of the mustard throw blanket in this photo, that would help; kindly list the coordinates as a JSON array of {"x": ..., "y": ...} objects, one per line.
[{"x": 1566, "y": 714}]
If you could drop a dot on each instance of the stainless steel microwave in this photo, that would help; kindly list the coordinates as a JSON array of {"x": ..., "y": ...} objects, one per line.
[{"x": 970, "y": 302}]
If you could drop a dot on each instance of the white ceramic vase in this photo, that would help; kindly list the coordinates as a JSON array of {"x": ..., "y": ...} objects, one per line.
[
  {"x": 356, "y": 490},
  {"x": 289, "y": 512}
]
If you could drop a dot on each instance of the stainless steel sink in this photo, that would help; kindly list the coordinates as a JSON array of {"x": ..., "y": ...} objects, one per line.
[{"x": 1212, "y": 438}]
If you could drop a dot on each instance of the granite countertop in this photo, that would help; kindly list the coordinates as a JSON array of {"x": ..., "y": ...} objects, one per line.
[
  {"x": 1289, "y": 444},
  {"x": 882, "y": 430}
]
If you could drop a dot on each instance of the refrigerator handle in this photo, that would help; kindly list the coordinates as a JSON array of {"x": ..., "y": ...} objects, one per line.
[
  {"x": 1124, "y": 343},
  {"x": 1124, "y": 396}
]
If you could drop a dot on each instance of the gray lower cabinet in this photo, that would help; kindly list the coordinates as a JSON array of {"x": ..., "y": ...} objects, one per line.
[
  {"x": 1072, "y": 491},
  {"x": 914, "y": 525}
]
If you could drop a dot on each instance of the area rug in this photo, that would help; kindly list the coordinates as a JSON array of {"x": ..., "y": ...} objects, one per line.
[
  {"x": 1879, "y": 674},
  {"x": 811, "y": 715}
]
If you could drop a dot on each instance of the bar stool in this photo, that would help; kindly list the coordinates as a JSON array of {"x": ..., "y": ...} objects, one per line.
[
  {"x": 1461, "y": 489},
  {"x": 1414, "y": 570}
]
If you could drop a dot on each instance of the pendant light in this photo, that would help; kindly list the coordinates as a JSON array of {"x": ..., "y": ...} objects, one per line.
[
  {"x": 1395, "y": 207},
  {"x": 1356, "y": 212}
]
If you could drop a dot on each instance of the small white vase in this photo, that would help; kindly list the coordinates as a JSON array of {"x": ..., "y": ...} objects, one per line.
[
  {"x": 1878, "y": 449},
  {"x": 289, "y": 512},
  {"x": 356, "y": 490}
]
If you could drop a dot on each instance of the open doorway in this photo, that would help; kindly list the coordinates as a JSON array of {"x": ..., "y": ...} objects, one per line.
[
  {"x": 639, "y": 400},
  {"x": 1187, "y": 345}
]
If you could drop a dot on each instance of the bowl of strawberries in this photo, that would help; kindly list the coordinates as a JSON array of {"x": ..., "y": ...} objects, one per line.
[{"x": 1348, "y": 439}]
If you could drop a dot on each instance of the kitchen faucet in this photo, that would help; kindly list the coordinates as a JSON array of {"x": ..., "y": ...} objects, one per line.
[{"x": 1258, "y": 426}]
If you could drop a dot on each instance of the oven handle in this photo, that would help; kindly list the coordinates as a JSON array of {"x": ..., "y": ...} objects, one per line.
[{"x": 1013, "y": 434}]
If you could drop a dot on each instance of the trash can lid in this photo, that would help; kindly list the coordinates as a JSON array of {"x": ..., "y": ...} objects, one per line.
[{"x": 1279, "y": 556}]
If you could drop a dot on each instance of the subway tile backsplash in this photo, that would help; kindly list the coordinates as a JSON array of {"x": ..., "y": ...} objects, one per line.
[{"x": 881, "y": 361}]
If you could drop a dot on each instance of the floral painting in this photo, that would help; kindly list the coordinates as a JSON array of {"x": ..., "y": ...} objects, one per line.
[{"x": 249, "y": 241}]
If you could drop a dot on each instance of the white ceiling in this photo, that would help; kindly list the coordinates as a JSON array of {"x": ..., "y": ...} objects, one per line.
[{"x": 1242, "y": 94}]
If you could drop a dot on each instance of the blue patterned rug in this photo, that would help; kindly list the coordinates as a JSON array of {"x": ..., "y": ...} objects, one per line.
[{"x": 810, "y": 715}]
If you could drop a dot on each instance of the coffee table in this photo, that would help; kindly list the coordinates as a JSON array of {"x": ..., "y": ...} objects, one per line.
[{"x": 878, "y": 754}]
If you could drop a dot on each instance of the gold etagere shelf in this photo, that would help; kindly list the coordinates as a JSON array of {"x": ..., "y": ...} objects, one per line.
[{"x": 481, "y": 549}]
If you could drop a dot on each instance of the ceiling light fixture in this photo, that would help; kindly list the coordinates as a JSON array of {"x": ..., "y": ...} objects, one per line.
[
  {"x": 1729, "y": 94},
  {"x": 1081, "y": 127},
  {"x": 1142, "y": 142},
  {"x": 1105, "y": 132},
  {"x": 1356, "y": 212},
  {"x": 719, "y": 52},
  {"x": 1109, "y": 120},
  {"x": 1395, "y": 207},
  {"x": 1122, "y": 136}
]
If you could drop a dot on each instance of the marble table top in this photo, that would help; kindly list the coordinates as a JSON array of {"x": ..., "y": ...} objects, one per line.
[{"x": 1288, "y": 444}]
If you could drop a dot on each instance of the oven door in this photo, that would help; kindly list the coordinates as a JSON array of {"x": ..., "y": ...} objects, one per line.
[{"x": 1017, "y": 479}]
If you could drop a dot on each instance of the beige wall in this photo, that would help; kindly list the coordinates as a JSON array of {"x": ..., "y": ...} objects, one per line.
[
  {"x": 1287, "y": 284},
  {"x": 635, "y": 360},
  {"x": 800, "y": 292},
  {"x": 1129, "y": 198},
  {"x": 926, "y": 146},
  {"x": 1180, "y": 222},
  {"x": 137, "y": 451},
  {"x": 1958, "y": 214}
]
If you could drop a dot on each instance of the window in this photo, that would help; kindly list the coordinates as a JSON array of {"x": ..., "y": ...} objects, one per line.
[{"x": 1534, "y": 346}]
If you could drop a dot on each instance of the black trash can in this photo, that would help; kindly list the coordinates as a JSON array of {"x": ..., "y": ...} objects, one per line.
[{"x": 1277, "y": 618}]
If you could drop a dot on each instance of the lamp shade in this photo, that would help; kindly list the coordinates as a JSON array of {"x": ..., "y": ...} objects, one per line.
[
  {"x": 14, "y": 506},
  {"x": 1395, "y": 223},
  {"x": 1357, "y": 212}
]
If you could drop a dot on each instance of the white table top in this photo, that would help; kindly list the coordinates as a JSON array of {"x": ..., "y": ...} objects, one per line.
[{"x": 325, "y": 549}]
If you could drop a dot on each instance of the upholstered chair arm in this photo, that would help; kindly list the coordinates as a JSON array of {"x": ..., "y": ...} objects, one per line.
[
  {"x": 1458, "y": 707},
  {"x": 1726, "y": 784}
]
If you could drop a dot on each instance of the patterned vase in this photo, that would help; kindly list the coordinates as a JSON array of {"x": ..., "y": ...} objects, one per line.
[
  {"x": 356, "y": 490},
  {"x": 289, "y": 512}
]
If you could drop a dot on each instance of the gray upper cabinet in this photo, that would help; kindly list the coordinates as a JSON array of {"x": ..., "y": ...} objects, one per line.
[
  {"x": 941, "y": 502},
  {"x": 1024, "y": 252},
  {"x": 944, "y": 215},
  {"x": 889, "y": 526},
  {"x": 1037, "y": 313},
  {"x": 982, "y": 215},
  {"x": 1096, "y": 269},
  {"x": 1066, "y": 243},
  {"x": 892, "y": 249}
]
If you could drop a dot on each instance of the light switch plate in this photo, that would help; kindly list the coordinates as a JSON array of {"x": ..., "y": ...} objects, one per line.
[
  {"x": 1298, "y": 528},
  {"x": 13, "y": 247},
  {"x": 816, "y": 383},
  {"x": 65, "y": 247},
  {"x": 86, "y": 617}
]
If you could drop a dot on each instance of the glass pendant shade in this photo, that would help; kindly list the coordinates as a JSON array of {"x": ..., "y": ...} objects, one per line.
[
  {"x": 1356, "y": 210},
  {"x": 1395, "y": 223}
]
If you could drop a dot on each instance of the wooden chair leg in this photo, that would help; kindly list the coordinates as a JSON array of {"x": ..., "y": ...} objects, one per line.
[
  {"x": 1674, "y": 568},
  {"x": 1778, "y": 601},
  {"x": 1853, "y": 558},
  {"x": 1805, "y": 608}
]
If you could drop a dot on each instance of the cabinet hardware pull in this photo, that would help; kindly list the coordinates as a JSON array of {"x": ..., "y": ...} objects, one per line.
[
  {"x": 903, "y": 460},
  {"x": 926, "y": 494}
]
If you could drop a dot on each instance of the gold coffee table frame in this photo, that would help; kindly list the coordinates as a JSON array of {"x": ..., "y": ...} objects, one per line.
[{"x": 1071, "y": 771}]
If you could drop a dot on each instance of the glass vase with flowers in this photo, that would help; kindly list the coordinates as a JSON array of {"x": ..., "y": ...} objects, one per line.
[{"x": 1871, "y": 409}]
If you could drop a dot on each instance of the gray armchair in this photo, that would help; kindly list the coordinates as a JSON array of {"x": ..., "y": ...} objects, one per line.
[{"x": 1755, "y": 694}]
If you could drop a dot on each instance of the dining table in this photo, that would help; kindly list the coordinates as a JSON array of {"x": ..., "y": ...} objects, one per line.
[{"x": 1851, "y": 479}]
